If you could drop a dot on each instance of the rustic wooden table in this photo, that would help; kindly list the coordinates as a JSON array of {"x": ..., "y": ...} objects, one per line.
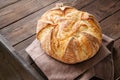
[{"x": 18, "y": 19}]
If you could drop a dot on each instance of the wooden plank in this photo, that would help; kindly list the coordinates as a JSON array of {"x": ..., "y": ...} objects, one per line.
[
  {"x": 24, "y": 43},
  {"x": 77, "y": 3},
  {"x": 116, "y": 57},
  {"x": 24, "y": 28},
  {"x": 21, "y": 9},
  {"x": 21, "y": 49},
  {"x": 111, "y": 25},
  {"x": 4, "y": 3},
  {"x": 103, "y": 8}
]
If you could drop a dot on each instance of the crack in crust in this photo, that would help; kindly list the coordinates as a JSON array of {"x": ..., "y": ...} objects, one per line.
[{"x": 69, "y": 35}]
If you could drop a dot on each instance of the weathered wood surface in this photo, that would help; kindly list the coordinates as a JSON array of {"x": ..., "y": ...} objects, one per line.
[
  {"x": 18, "y": 20},
  {"x": 4, "y": 3},
  {"x": 111, "y": 25},
  {"x": 21, "y": 9},
  {"x": 102, "y": 9},
  {"x": 21, "y": 49}
]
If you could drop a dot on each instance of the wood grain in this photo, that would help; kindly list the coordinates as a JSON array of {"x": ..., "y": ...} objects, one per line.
[
  {"x": 77, "y": 3},
  {"x": 4, "y": 3},
  {"x": 24, "y": 28},
  {"x": 116, "y": 57},
  {"x": 21, "y": 49},
  {"x": 111, "y": 25},
  {"x": 21, "y": 9},
  {"x": 103, "y": 8}
]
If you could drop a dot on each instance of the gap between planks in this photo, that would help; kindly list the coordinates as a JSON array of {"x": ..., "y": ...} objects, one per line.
[
  {"x": 6, "y": 3},
  {"x": 14, "y": 12},
  {"x": 109, "y": 15},
  {"x": 111, "y": 26}
]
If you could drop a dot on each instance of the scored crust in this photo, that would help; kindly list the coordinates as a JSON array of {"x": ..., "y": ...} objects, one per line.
[{"x": 69, "y": 35}]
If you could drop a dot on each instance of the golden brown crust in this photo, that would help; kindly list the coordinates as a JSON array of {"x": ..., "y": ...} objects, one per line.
[{"x": 69, "y": 35}]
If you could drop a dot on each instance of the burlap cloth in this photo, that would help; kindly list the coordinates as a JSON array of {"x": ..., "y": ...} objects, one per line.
[{"x": 100, "y": 66}]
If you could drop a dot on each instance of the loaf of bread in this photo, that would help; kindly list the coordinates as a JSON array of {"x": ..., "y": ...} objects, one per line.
[{"x": 69, "y": 35}]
